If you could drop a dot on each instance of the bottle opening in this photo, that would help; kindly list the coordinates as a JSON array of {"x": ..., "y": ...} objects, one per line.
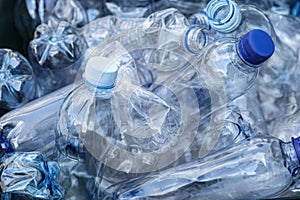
[{"x": 224, "y": 15}]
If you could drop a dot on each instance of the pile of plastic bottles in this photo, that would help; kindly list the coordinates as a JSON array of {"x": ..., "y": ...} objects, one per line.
[{"x": 144, "y": 99}]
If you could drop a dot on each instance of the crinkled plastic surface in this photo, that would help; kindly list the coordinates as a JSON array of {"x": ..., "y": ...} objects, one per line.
[
  {"x": 98, "y": 30},
  {"x": 17, "y": 80},
  {"x": 251, "y": 169},
  {"x": 32, "y": 127},
  {"x": 56, "y": 53},
  {"x": 29, "y": 175}
]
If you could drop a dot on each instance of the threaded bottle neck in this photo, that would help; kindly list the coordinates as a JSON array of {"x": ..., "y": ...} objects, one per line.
[
  {"x": 195, "y": 39},
  {"x": 200, "y": 19},
  {"x": 223, "y": 15}
]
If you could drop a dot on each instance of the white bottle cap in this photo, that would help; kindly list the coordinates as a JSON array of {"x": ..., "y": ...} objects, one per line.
[{"x": 101, "y": 72}]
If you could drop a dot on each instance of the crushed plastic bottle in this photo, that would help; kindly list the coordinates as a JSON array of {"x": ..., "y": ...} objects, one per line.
[
  {"x": 236, "y": 63},
  {"x": 32, "y": 126},
  {"x": 255, "y": 168},
  {"x": 17, "y": 80},
  {"x": 56, "y": 54},
  {"x": 29, "y": 175},
  {"x": 104, "y": 28}
]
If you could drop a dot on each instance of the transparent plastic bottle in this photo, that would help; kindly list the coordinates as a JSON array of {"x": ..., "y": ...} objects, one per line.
[
  {"x": 225, "y": 18},
  {"x": 29, "y": 176},
  {"x": 255, "y": 168},
  {"x": 104, "y": 28},
  {"x": 70, "y": 11},
  {"x": 175, "y": 31},
  {"x": 31, "y": 13},
  {"x": 130, "y": 8},
  {"x": 32, "y": 126},
  {"x": 56, "y": 54},
  {"x": 236, "y": 63},
  {"x": 17, "y": 80},
  {"x": 188, "y": 7}
]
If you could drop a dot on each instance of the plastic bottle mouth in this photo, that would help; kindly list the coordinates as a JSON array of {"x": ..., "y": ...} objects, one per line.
[
  {"x": 223, "y": 15},
  {"x": 195, "y": 39}
]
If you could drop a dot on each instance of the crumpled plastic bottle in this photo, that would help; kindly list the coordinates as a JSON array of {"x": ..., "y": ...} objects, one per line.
[
  {"x": 18, "y": 83},
  {"x": 29, "y": 176},
  {"x": 255, "y": 168},
  {"x": 56, "y": 53}
]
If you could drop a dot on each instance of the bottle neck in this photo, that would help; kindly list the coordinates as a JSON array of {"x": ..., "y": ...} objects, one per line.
[
  {"x": 195, "y": 39},
  {"x": 99, "y": 92},
  {"x": 223, "y": 15},
  {"x": 242, "y": 63},
  {"x": 200, "y": 19},
  {"x": 291, "y": 160}
]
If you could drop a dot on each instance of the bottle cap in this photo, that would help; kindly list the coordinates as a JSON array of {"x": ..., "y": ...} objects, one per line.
[
  {"x": 101, "y": 72},
  {"x": 256, "y": 47},
  {"x": 296, "y": 143}
]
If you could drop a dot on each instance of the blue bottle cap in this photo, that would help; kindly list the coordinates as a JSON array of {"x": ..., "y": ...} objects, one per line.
[
  {"x": 296, "y": 144},
  {"x": 256, "y": 47}
]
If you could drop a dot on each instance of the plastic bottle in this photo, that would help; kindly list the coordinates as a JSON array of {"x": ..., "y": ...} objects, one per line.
[
  {"x": 101, "y": 29},
  {"x": 32, "y": 126},
  {"x": 175, "y": 31},
  {"x": 29, "y": 175},
  {"x": 28, "y": 15},
  {"x": 17, "y": 80},
  {"x": 31, "y": 13},
  {"x": 56, "y": 54},
  {"x": 120, "y": 125},
  {"x": 255, "y": 168},
  {"x": 225, "y": 18},
  {"x": 130, "y": 8},
  {"x": 70, "y": 11},
  {"x": 276, "y": 80},
  {"x": 187, "y": 7},
  {"x": 236, "y": 63},
  {"x": 240, "y": 119}
]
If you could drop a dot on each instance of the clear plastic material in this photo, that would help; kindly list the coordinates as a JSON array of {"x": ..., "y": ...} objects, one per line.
[
  {"x": 17, "y": 80},
  {"x": 276, "y": 82},
  {"x": 31, "y": 13},
  {"x": 130, "y": 8},
  {"x": 101, "y": 29},
  {"x": 252, "y": 169},
  {"x": 32, "y": 127},
  {"x": 29, "y": 175},
  {"x": 56, "y": 54},
  {"x": 228, "y": 19},
  {"x": 221, "y": 59},
  {"x": 70, "y": 11},
  {"x": 188, "y": 7},
  {"x": 175, "y": 31}
]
